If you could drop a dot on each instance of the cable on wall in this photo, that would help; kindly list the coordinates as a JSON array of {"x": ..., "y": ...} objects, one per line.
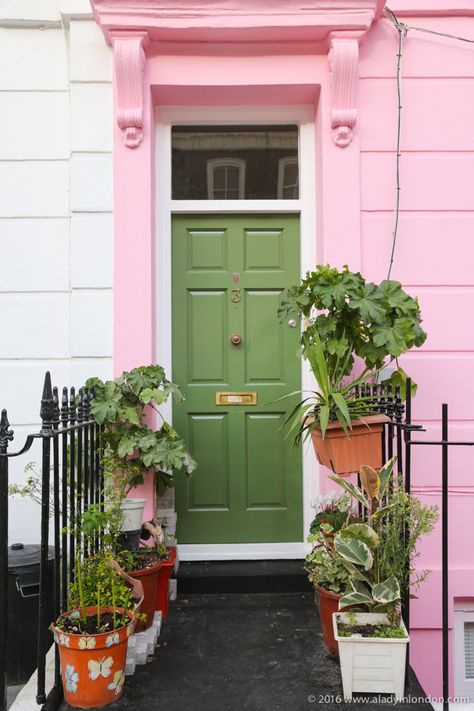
[{"x": 402, "y": 30}]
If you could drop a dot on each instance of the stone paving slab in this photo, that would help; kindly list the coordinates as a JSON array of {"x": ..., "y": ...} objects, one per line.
[{"x": 249, "y": 652}]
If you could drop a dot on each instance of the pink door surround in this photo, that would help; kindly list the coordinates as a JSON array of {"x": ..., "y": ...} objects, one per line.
[{"x": 224, "y": 54}]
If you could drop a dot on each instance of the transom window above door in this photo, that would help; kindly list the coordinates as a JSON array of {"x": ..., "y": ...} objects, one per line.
[{"x": 251, "y": 162}]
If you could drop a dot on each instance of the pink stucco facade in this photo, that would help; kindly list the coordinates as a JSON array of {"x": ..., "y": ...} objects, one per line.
[{"x": 250, "y": 61}]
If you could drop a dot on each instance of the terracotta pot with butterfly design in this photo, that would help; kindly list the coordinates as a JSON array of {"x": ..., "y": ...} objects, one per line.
[{"x": 93, "y": 665}]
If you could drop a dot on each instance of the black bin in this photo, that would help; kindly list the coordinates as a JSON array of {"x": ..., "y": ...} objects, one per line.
[{"x": 23, "y": 608}]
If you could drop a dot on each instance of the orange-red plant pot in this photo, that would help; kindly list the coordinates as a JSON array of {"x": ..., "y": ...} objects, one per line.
[
  {"x": 163, "y": 582},
  {"x": 149, "y": 580},
  {"x": 345, "y": 454},
  {"x": 93, "y": 666},
  {"x": 328, "y": 603}
]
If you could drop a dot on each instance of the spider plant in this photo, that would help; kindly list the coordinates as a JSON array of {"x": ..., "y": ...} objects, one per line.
[{"x": 334, "y": 400}]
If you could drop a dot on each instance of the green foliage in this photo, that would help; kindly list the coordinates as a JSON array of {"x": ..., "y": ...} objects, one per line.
[
  {"x": 388, "y": 632},
  {"x": 333, "y": 401},
  {"x": 94, "y": 520},
  {"x": 409, "y": 521},
  {"x": 324, "y": 568},
  {"x": 163, "y": 552},
  {"x": 130, "y": 446},
  {"x": 378, "y": 631},
  {"x": 333, "y": 513},
  {"x": 98, "y": 580},
  {"x": 354, "y": 318},
  {"x": 379, "y": 555},
  {"x": 345, "y": 317},
  {"x": 32, "y": 488}
]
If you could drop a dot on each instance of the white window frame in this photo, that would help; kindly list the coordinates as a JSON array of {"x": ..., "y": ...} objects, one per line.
[
  {"x": 214, "y": 163},
  {"x": 463, "y": 688},
  {"x": 304, "y": 117},
  {"x": 282, "y": 165}
]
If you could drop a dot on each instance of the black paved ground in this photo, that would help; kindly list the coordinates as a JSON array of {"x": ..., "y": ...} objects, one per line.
[{"x": 242, "y": 652}]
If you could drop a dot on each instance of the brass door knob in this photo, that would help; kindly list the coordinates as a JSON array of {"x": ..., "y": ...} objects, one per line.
[{"x": 236, "y": 339}]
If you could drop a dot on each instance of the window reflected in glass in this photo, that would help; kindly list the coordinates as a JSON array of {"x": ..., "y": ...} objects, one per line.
[{"x": 235, "y": 163}]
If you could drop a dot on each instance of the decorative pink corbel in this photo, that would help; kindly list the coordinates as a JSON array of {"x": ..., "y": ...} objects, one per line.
[
  {"x": 129, "y": 66},
  {"x": 344, "y": 64}
]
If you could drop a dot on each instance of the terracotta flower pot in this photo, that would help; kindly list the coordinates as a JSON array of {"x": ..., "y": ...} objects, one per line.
[
  {"x": 93, "y": 666},
  {"x": 149, "y": 580},
  {"x": 346, "y": 454},
  {"x": 163, "y": 582},
  {"x": 328, "y": 603}
]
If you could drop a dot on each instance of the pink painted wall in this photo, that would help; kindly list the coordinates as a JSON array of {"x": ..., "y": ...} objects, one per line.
[
  {"x": 355, "y": 195},
  {"x": 434, "y": 260}
]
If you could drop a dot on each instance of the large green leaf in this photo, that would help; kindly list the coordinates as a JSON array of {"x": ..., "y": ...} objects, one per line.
[
  {"x": 361, "y": 532},
  {"x": 125, "y": 447},
  {"x": 370, "y": 305},
  {"x": 351, "y": 489},
  {"x": 360, "y": 588},
  {"x": 342, "y": 405},
  {"x": 387, "y": 591},
  {"x": 353, "y": 599},
  {"x": 323, "y": 419},
  {"x": 384, "y": 476},
  {"x": 354, "y": 551},
  {"x": 355, "y": 572},
  {"x": 323, "y": 380},
  {"x": 399, "y": 379}
]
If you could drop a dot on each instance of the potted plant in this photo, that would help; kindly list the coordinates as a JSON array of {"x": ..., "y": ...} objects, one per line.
[
  {"x": 325, "y": 570},
  {"x": 103, "y": 606},
  {"x": 92, "y": 635},
  {"x": 165, "y": 549},
  {"x": 346, "y": 318},
  {"x": 130, "y": 446},
  {"x": 144, "y": 565},
  {"x": 378, "y": 555},
  {"x": 168, "y": 556}
]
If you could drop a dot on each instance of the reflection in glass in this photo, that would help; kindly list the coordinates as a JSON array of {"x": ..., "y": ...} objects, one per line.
[{"x": 235, "y": 163}]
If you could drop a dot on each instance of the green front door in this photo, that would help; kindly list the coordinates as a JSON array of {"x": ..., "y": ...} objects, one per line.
[{"x": 228, "y": 275}]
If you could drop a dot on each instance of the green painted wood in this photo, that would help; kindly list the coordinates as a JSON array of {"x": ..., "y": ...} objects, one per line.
[{"x": 248, "y": 484}]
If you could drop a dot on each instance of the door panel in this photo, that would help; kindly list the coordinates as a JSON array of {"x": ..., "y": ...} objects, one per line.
[
  {"x": 264, "y": 343},
  {"x": 265, "y": 465},
  {"x": 263, "y": 250},
  {"x": 228, "y": 275},
  {"x": 209, "y": 492},
  {"x": 207, "y": 354}
]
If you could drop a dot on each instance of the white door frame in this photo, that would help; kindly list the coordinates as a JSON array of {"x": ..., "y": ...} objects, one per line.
[{"x": 304, "y": 117}]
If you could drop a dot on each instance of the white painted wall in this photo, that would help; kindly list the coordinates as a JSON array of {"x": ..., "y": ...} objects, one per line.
[{"x": 55, "y": 213}]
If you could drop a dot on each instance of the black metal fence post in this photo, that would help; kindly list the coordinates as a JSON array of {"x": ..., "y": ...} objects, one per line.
[
  {"x": 70, "y": 450},
  {"x": 47, "y": 414},
  {"x": 6, "y": 435},
  {"x": 444, "y": 554}
]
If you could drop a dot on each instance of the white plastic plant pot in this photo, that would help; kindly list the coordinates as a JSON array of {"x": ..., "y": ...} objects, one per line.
[
  {"x": 132, "y": 514},
  {"x": 370, "y": 665}
]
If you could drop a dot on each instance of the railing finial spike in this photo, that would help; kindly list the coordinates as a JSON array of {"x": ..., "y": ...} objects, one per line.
[
  {"x": 48, "y": 406},
  {"x": 6, "y": 434}
]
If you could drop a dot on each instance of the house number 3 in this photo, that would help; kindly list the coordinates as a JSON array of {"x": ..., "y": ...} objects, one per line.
[{"x": 236, "y": 295}]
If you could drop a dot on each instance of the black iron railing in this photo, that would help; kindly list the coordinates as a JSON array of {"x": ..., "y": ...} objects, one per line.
[
  {"x": 402, "y": 430},
  {"x": 444, "y": 444},
  {"x": 70, "y": 454},
  {"x": 71, "y": 475}
]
